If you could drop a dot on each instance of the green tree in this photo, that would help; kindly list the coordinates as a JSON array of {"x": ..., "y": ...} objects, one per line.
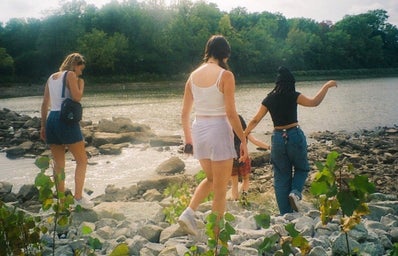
[
  {"x": 6, "y": 63},
  {"x": 365, "y": 49},
  {"x": 103, "y": 52}
]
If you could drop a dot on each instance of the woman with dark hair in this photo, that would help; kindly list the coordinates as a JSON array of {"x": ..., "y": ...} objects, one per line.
[
  {"x": 210, "y": 90},
  {"x": 61, "y": 135},
  {"x": 288, "y": 143}
]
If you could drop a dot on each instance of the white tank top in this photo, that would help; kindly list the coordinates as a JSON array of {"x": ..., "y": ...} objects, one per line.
[
  {"x": 55, "y": 89},
  {"x": 208, "y": 101}
]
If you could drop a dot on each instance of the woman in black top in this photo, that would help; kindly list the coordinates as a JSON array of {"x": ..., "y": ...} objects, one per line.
[{"x": 288, "y": 142}]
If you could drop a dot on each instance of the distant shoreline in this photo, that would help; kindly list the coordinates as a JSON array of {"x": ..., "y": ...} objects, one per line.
[{"x": 115, "y": 84}]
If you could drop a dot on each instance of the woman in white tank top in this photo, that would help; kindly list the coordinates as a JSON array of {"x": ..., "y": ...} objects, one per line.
[
  {"x": 210, "y": 91},
  {"x": 60, "y": 135}
]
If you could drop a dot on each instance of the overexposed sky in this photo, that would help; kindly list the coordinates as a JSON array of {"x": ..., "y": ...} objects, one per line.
[{"x": 318, "y": 10}]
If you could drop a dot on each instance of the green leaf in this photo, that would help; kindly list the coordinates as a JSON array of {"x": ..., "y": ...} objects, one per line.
[
  {"x": 229, "y": 229},
  {"x": 212, "y": 217},
  {"x": 229, "y": 217},
  {"x": 94, "y": 243},
  {"x": 268, "y": 243},
  {"x": 212, "y": 243},
  {"x": 347, "y": 202},
  {"x": 43, "y": 162},
  {"x": 331, "y": 160},
  {"x": 42, "y": 180},
  {"x": 263, "y": 220},
  {"x": 223, "y": 251},
  {"x": 319, "y": 188},
  {"x": 86, "y": 230},
  {"x": 287, "y": 250},
  {"x": 224, "y": 236},
  {"x": 291, "y": 230},
  {"x": 120, "y": 250},
  {"x": 319, "y": 166},
  {"x": 63, "y": 221},
  {"x": 361, "y": 183}
]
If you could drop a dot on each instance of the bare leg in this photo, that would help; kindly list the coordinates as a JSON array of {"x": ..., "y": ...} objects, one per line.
[
  {"x": 245, "y": 182},
  {"x": 58, "y": 153},
  {"x": 205, "y": 187},
  {"x": 235, "y": 183},
  {"x": 79, "y": 153},
  {"x": 222, "y": 174}
]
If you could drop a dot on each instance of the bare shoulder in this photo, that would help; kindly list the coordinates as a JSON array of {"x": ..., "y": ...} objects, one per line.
[
  {"x": 56, "y": 75},
  {"x": 228, "y": 76}
]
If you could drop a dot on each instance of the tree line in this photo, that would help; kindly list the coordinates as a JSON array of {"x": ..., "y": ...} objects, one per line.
[{"x": 133, "y": 39}]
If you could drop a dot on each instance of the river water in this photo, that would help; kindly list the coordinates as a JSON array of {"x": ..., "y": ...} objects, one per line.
[{"x": 353, "y": 105}]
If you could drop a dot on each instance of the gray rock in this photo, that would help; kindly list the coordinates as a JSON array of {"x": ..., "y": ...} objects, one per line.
[
  {"x": 5, "y": 187},
  {"x": 150, "y": 232},
  {"x": 172, "y": 166}
]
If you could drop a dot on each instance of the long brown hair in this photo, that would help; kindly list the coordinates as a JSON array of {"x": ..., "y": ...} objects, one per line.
[{"x": 218, "y": 47}]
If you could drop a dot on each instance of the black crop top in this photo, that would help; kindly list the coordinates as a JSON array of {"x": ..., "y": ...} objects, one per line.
[{"x": 282, "y": 107}]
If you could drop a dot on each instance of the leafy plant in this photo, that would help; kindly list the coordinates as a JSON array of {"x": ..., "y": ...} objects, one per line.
[
  {"x": 19, "y": 233},
  {"x": 394, "y": 251},
  {"x": 337, "y": 189},
  {"x": 60, "y": 203},
  {"x": 219, "y": 234},
  {"x": 180, "y": 197}
]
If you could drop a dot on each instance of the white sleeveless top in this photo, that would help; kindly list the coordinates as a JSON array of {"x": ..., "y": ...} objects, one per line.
[
  {"x": 208, "y": 101},
  {"x": 55, "y": 88}
]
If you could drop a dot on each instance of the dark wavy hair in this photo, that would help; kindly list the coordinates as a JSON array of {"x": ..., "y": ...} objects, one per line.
[
  {"x": 218, "y": 47},
  {"x": 285, "y": 82}
]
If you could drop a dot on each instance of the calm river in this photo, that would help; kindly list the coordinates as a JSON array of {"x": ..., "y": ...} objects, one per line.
[{"x": 353, "y": 105}]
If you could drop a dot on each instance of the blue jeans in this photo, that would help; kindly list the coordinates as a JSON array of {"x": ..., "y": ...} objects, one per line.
[{"x": 290, "y": 165}]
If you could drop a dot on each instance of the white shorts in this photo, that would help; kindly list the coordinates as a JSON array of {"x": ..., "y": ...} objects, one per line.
[{"x": 213, "y": 138}]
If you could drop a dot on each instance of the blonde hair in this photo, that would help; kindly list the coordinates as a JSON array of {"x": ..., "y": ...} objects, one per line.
[{"x": 72, "y": 60}]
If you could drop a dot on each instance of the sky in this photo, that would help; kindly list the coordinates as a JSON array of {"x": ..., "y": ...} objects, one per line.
[{"x": 318, "y": 10}]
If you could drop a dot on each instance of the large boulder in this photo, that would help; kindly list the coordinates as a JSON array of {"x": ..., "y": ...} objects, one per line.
[{"x": 172, "y": 166}]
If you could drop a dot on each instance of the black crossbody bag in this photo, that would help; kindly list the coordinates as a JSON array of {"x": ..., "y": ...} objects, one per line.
[{"x": 71, "y": 111}]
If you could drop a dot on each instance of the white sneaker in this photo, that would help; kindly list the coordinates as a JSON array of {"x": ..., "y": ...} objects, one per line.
[
  {"x": 294, "y": 201},
  {"x": 187, "y": 222},
  {"x": 84, "y": 203}
]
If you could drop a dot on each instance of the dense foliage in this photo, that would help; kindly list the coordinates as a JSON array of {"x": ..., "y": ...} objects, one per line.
[{"x": 134, "y": 38}]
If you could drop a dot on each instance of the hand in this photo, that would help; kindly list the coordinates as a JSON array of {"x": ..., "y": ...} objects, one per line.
[
  {"x": 188, "y": 148},
  {"x": 243, "y": 153},
  {"x": 43, "y": 133},
  {"x": 331, "y": 83}
]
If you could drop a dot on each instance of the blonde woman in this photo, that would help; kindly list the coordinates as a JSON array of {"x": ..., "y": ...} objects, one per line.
[{"x": 60, "y": 135}]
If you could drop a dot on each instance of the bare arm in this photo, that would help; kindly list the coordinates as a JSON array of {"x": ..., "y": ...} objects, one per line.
[
  {"x": 318, "y": 98},
  {"x": 75, "y": 85},
  {"x": 262, "y": 111},
  {"x": 44, "y": 111},
  {"x": 186, "y": 113},
  {"x": 258, "y": 142},
  {"x": 228, "y": 85}
]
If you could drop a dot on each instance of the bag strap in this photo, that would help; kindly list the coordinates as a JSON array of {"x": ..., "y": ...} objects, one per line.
[{"x": 63, "y": 84}]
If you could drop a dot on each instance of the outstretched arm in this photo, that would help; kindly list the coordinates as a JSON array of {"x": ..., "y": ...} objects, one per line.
[
  {"x": 318, "y": 98},
  {"x": 258, "y": 142},
  {"x": 262, "y": 111}
]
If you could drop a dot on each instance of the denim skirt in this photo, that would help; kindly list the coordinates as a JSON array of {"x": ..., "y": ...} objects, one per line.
[{"x": 61, "y": 133}]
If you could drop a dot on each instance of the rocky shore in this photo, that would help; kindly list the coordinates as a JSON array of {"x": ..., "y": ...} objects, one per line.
[{"x": 135, "y": 215}]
